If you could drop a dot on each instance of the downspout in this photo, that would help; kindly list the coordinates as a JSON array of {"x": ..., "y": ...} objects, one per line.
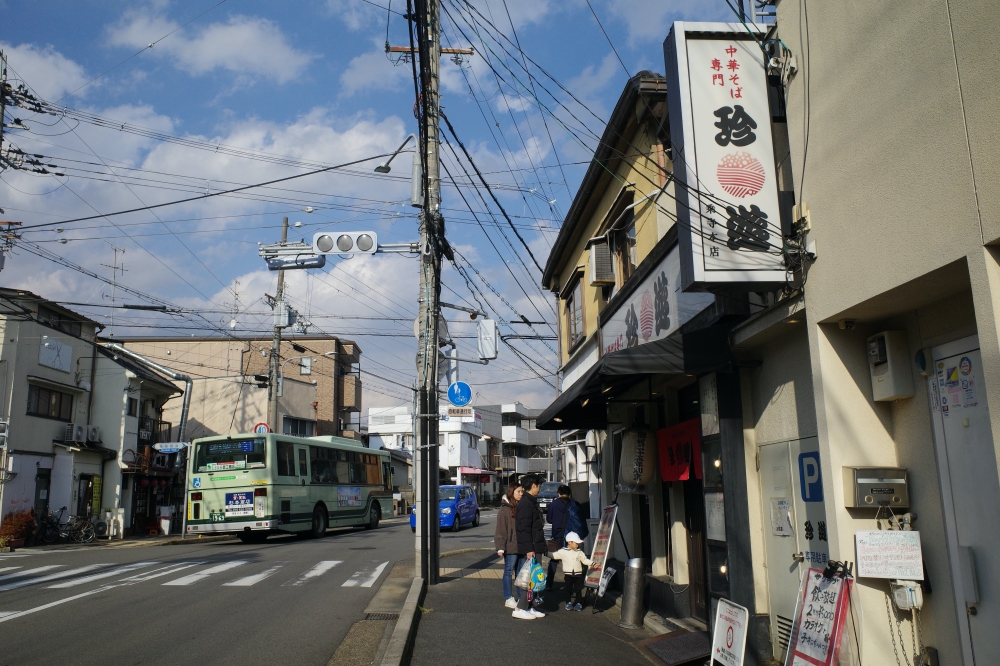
[
  {"x": 93, "y": 375},
  {"x": 188, "y": 383}
]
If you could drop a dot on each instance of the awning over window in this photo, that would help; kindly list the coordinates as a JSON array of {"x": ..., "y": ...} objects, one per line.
[
  {"x": 584, "y": 404},
  {"x": 475, "y": 471}
]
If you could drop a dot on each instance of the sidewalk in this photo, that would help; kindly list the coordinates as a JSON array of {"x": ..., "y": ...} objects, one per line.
[{"x": 465, "y": 622}]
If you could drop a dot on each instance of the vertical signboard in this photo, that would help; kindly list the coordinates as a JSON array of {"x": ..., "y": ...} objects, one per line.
[
  {"x": 730, "y": 635},
  {"x": 728, "y": 220},
  {"x": 602, "y": 546}
]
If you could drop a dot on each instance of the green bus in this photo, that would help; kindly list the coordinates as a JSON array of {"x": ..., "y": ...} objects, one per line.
[{"x": 253, "y": 485}]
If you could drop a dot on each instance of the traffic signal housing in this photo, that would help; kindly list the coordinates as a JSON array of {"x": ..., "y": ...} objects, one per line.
[{"x": 345, "y": 242}]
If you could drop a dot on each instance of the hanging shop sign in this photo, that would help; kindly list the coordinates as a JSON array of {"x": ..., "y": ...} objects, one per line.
[
  {"x": 602, "y": 546},
  {"x": 728, "y": 219},
  {"x": 680, "y": 451},
  {"x": 729, "y": 638},
  {"x": 638, "y": 462},
  {"x": 656, "y": 308},
  {"x": 820, "y": 614},
  {"x": 893, "y": 554}
]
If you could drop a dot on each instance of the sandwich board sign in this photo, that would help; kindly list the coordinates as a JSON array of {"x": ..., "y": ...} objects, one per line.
[
  {"x": 729, "y": 638},
  {"x": 602, "y": 546}
]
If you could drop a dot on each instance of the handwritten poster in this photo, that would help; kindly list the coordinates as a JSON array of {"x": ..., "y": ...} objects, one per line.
[
  {"x": 602, "y": 545},
  {"x": 819, "y": 623},
  {"x": 889, "y": 554},
  {"x": 781, "y": 516}
]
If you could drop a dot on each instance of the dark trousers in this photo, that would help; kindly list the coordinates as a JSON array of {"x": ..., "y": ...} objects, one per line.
[{"x": 574, "y": 588}]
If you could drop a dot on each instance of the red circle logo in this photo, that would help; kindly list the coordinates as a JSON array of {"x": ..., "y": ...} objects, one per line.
[
  {"x": 261, "y": 429},
  {"x": 740, "y": 174},
  {"x": 729, "y": 637}
]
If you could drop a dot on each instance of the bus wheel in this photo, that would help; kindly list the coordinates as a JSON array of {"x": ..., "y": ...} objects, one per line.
[
  {"x": 319, "y": 523},
  {"x": 372, "y": 517}
]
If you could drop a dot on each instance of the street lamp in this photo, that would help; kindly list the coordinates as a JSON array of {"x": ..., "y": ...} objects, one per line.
[
  {"x": 281, "y": 370},
  {"x": 384, "y": 167}
]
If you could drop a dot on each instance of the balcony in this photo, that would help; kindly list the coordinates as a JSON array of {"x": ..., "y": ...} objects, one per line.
[
  {"x": 349, "y": 393},
  {"x": 514, "y": 435}
]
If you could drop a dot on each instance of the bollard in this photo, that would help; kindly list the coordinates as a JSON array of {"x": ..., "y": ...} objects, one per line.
[{"x": 633, "y": 592}]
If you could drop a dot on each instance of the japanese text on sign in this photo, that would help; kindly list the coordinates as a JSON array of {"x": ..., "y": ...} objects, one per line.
[
  {"x": 819, "y": 622},
  {"x": 889, "y": 554},
  {"x": 602, "y": 545}
]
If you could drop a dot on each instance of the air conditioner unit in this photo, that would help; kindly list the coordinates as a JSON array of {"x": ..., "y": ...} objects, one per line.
[
  {"x": 602, "y": 269},
  {"x": 93, "y": 433},
  {"x": 76, "y": 432}
]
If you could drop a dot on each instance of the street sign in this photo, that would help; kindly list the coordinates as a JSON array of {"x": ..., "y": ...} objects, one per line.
[
  {"x": 730, "y": 635},
  {"x": 169, "y": 447},
  {"x": 460, "y": 394},
  {"x": 461, "y": 411},
  {"x": 261, "y": 429}
]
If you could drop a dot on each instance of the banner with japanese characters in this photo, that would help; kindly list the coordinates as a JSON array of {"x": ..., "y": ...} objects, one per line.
[{"x": 729, "y": 222}]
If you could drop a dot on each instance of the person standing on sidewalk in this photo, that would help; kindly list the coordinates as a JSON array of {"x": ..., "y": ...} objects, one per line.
[
  {"x": 530, "y": 537},
  {"x": 573, "y": 560},
  {"x": 557, "y": 516},
  {"x": 505, "y": 540}
]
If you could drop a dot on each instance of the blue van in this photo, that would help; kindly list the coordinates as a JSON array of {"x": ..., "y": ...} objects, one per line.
[{"x": 458, "y": 507}]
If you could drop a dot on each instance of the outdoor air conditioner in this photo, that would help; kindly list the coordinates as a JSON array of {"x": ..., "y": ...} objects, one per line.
[
  {"x": 602, "y": 270},
  {"x": 76, "y": 432},
  {"x": 93, "y": 433}
]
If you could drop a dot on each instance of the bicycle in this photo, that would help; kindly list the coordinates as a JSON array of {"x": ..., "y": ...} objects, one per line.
[{"x": 75, "y": 528}]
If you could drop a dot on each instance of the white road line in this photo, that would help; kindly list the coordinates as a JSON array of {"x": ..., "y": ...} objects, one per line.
[
  {"x": 156, "y": 573},
  {"x": 16, "y": 614},
  {"x": 5, "y": 613},
  {"x": 315, "y": 572},
  {"x": 103, "y": 574},
  {"x": 247, "y": 581},
  {"x": 201, "y": 575},
  {"x": 55, "y": 576},
  {"x": 29, "y": 572},
  {"x": 365, "y": 578},
  {"x": 2, "y": 569}
]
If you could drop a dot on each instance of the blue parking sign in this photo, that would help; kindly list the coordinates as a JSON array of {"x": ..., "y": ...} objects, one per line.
[{"x": 810, "y": 478}]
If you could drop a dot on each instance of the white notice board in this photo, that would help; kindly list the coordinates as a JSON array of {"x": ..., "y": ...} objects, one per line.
[
  {"x": 889, "y": 554},
  {"x": 730, "y": 636}
]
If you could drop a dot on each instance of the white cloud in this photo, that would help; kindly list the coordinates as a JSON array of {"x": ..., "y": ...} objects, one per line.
[
  {"x": 373, "y": 71},
  {"x": 47, "y": 71},
  {"x": 250, "y": 46},
  {"x": 356, "y": 14},
  {"x": 649, "y": 20}
]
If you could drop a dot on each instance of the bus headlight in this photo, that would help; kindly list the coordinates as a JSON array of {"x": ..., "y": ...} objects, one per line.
[{"x": 446, "y": 510}]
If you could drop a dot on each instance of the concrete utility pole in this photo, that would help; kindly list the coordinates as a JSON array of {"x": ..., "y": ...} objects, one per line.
[
  {"x": 431, "y": 240},
  {"x": 275, "y": 356}
]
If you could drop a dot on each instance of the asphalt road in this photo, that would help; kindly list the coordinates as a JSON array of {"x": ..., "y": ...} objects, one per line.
[{"x": 287, "y": 601}]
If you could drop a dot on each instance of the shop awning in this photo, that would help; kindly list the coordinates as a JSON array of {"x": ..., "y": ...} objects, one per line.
[
  {"x": 87, "y": 447},
  {"x": 473, "y": 471},
  {"x": 584, "y": 404}
]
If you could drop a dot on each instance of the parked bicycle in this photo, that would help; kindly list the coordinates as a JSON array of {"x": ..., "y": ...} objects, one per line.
[{"x": 52, "y": 528}]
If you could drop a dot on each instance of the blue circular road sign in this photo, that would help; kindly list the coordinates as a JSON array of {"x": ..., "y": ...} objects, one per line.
[{"x": 460, "y": 394}]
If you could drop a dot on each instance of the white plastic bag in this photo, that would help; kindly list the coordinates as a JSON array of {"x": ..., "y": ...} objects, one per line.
[{"x": 523, "y": 578}]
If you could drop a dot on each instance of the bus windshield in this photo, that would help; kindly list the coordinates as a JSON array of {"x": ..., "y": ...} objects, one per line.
[{"x": 229, "y": 454}]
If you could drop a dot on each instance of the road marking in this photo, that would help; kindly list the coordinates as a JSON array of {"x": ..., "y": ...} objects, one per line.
[
  {"x": 365, "y": 578},
  {"x": 201, "y": 575},
  {"x": 2, "y": 569},
  {"x": 156, "y": 573},
  {"x": 29, "y": 572},
  {"x": 103, "y": 574},
  {"x": 247, "y": 581},
  {"x": 55, "y": 576},
  {"x": 315, "y": 572},
  {"x": 16, "y": 614}
]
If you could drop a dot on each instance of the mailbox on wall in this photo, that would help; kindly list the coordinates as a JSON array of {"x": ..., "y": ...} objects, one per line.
[{"x": 876, "y": 487}]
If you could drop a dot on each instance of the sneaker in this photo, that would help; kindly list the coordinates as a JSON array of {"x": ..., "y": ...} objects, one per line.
[
  {"x": 569, "y": 606},
  {"x": 522, "y": 615},
  {"x": 577, "y": 607},
  {"x": 536, "y": 613},
  {"x": 510, "y": 603}
]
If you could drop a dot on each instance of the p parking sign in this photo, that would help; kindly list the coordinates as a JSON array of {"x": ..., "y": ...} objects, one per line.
[{"x": 810, "y": 477}]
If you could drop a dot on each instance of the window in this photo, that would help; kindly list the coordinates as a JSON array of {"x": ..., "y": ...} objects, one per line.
[
  {"x": 65, "y": 325},
  {"x": 286, "y": 459},
  {"x": 625, "y": 250},
  {"x": 305, "y": 365},
  {"x": 230, "y": 454},
  {"x": 298, "y": 427},
  {"x": 131, "y": 407},
  {"x": 574, "y": 313},
  {"x": 324, "y": 464},
  {"x": 303, "y": 468},
  {"x": 49, "y": 404}
]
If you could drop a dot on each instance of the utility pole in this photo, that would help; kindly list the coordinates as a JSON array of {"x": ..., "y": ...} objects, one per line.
[{"x": 275, "y": 357}]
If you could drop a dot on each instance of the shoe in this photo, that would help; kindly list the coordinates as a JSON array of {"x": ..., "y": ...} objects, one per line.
[
  {"x": 569, "y": 606},
  {"x": 510, "y": 603},
  {"x": 577, "y": 607},
  {"x": 522, "y": 615},
  {"x": 536, "y": 613}
]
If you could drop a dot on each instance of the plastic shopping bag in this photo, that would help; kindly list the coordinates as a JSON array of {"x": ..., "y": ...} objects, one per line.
[
  {"x": 523, "y": 579},
  {"x": 537, "y": 577}
]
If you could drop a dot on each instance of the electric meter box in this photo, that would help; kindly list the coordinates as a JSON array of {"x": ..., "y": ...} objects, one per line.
[
  {"x": 875, "y": 487},
  {"x": 889, "y": 363}
]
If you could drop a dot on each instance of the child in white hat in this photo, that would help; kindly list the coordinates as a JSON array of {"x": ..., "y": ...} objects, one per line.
[{"x": 573, "y": 562}]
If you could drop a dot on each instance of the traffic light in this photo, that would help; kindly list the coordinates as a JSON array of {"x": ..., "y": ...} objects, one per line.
[
  {"x": 260, "y": 381},
  {"x": 347, "y": 242},
  {"x": 4, "y": 426}
]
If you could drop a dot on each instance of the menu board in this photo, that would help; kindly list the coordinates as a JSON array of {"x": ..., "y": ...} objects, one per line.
[
  {"x": 819, "y": 620},
  {"x": 602, "y": 546},
  {"x": 891, "y": 554}
]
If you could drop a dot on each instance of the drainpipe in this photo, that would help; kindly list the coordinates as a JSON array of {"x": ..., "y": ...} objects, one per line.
[
  {"x": 93, "y": 374},
  {"x": 182, "y": 426}
]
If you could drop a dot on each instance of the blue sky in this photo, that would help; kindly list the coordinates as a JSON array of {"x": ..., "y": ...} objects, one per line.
[{"x": 308, "y": 82}]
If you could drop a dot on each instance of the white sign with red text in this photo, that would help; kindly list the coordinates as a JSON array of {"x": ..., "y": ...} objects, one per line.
[{"x": 729, "y": 638}]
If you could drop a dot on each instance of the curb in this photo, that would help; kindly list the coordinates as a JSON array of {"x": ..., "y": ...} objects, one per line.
[
  {"x": 125, "y": 543},
  {"x": 400, "y": 645},
  {"x": 465, "y": 550}
]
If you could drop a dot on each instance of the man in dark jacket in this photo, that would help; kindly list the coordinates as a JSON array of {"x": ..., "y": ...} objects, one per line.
[{"x": 530, "y": 537}]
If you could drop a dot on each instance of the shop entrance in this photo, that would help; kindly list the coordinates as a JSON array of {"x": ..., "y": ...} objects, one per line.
[
  {"x": 967, "y": 466},
  {"x": 43, "y": 479},
  {"x": 694, "y": 517}
]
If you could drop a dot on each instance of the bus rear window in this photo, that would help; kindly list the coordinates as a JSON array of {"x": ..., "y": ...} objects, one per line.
[{"x": 230, "y": 454}]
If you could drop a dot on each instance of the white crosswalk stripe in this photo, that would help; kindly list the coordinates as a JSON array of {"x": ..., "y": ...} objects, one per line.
[
  {"x": 104, "y": 574},
  {"x": 247, "y": 581},
  {"x": 50, "y": 577},
  {"x": 31, "y": 572},
  {"x": 365, "y": 577},
  {"x": 2, "y": 569},
  {"x": 156, "y": 573},
  {"x": 202, "y": 575},
  {"x": 314, "y": 572}
]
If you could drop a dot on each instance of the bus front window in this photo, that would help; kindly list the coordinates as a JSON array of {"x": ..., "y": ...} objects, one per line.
[{"x": 230, "y": 454}]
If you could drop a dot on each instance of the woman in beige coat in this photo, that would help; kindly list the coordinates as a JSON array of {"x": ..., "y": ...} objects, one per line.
[{"x": 505, "y": 540}]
